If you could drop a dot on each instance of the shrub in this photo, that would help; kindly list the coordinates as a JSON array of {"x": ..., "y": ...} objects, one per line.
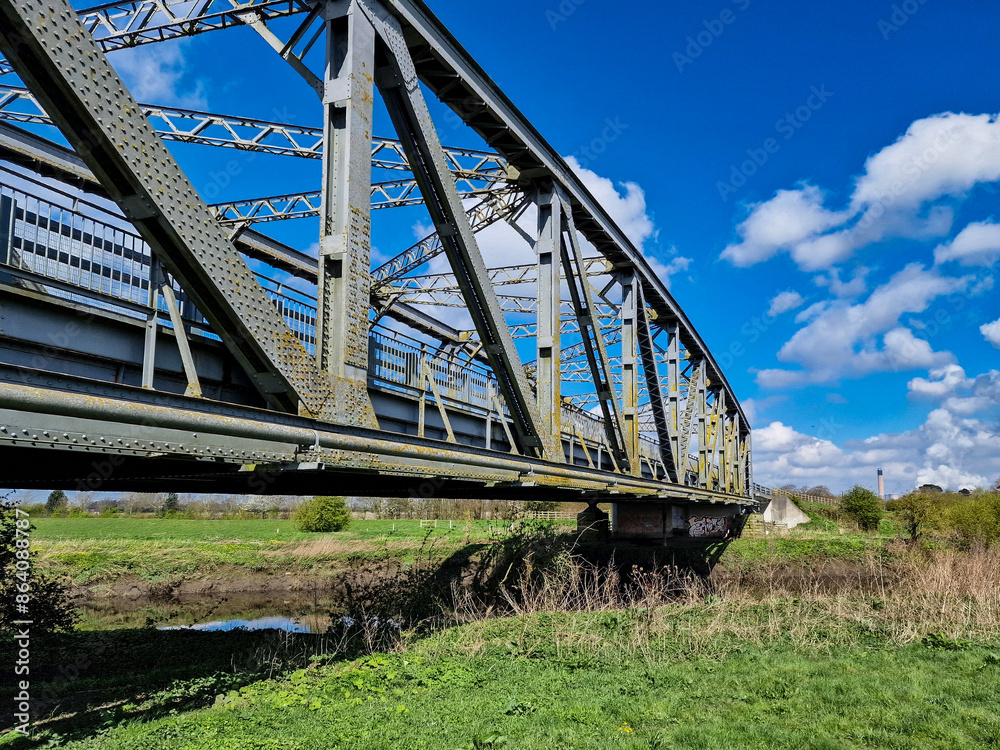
[
  {"x": 976, "y": 519},
  {"x": 323, "y": 514},
  {"x": 864, "y": 506},
  {"x": 918, "y": 511},
  {"x": 50, "y": 604}
]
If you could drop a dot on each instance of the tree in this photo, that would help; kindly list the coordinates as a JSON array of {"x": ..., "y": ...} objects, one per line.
[
  {"x": 57, "y": 499},
  {"x": 864, "y": 506},
  {"x": 260, "y": 504},
  {"x": 917, "y": 511},
  {"x": 50, "y": 606},
  {"x": 171, "y": 505},
  {"x": 323, "y": 514}
]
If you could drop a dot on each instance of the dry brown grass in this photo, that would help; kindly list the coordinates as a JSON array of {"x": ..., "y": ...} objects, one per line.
[
  {"x": 339, "y": 547},
  {"x": 899, "y": 598}
]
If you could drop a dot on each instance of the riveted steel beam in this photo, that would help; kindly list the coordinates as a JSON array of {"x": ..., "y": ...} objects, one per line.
[
  {"x": 345, "y": 223},
  {"x": 631, "y": 292},
  {"x": 70, "y": 76},
  {"x": 476, "y": 168},
  {"x": 586, "y": 311},
  {"x": 657, "y": 403},
  {"x": 408, "y": 111},
  {"x": 307, "y": 204},
  {"x": 549, "y": 285},
  {"x": 134, "y": 22}
]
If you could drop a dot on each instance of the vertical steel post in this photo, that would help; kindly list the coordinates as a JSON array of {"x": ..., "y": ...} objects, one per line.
[
  {"x": 630, "y": 371},
  {"x": 548, "y": 371},
  {"x": 6, "y": 227},
  {"x": 702, "y": 406},
  {"x": 152, "y": 324},
  {"x": 345, "y": 219},
  {"x": 673, "y": 398}
]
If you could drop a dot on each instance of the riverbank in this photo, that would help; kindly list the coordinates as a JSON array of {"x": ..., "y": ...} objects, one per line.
[
  {"x": 911, "y": 663},
  {"x": 820, "y": 639}
]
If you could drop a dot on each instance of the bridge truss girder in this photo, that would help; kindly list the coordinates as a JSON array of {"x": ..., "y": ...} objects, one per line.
[{"x": 672, "y": 391}]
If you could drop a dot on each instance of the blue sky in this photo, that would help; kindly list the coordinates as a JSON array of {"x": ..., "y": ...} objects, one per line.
[{"x": 835, "y": 164}]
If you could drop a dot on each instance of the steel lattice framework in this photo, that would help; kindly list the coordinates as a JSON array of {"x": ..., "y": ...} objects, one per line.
[{"x": 570, "y": 373}]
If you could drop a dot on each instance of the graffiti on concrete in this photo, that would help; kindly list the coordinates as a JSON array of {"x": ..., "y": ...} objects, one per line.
[{"x": 708, "y": 526}]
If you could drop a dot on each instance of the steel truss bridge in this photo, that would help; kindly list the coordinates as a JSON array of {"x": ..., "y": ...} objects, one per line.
[{"x": 151, "y": 338}]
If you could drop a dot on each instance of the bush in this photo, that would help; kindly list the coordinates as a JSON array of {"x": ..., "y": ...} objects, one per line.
[
  {"x": 918, "y": 512},
  {"x": 864, "y": 506},
  {"x": 50, "y": 605},
  {"x": 323, "y": 514},
  {"x": 976, "y": 518}
]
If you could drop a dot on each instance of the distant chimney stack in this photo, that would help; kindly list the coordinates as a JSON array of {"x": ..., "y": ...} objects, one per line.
[{"x": 881, "y": 485}]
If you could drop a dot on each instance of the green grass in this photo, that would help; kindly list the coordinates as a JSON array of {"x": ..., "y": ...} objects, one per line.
[
  {"x": 243, "y": 530},
  {"x": 95, "y": 551},
  {"x": 104, "y": 550},
  {"x": 512, "y": 684}
]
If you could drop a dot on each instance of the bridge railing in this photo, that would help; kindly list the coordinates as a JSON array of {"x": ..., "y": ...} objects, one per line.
[{"x": 58, "y": 250}]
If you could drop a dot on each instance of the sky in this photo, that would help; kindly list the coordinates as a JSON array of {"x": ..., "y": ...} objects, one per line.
[{"x": 817, "y": 182}]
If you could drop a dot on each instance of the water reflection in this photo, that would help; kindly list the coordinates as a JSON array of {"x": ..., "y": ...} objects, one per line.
[
  {"x": 294, "y": 612},
  {"x": 288, "y": 624}
]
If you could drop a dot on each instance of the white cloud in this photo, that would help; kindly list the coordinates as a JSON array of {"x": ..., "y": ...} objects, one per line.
[
  {"x": 784, "y": 302},
  {"x": 941, "y": 156},
  {"x": 991, "y": 331},
  {"x": 976, "y": 245},
  {"x": 158, "y": 74},
  {"x": 628, "y": 208},
  {"x": 956, "y": 446},
  {"x": 788, "y": 219},
  {"x": 943, "y": 382},
  {"x": 944, "y": 154},
  {"x": 846, "y": 289},
  {"x": 842, "y": 339}
]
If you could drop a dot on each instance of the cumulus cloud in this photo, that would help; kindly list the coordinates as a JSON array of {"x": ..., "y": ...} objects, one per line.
[
  {"x": 855, "y": 287},
  {"x": 953, "y": 448},
  {"x": 790, "y": 218},
  {"x": 158, "y": 74},
  {"x": 898, "y": 194},
  {"x": 976, "y": 245},
  {"x": 784, "y": 302},
  {"x": 843, "y": 339},
  {"x": 943, "y": 382},
  {"x": 991, "y": 331}
]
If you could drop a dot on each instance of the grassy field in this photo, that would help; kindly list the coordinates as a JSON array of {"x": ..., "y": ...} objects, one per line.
[
  {"x": 820, "y": 639},
  {"x": 95, "y": 551},
  {"x": 674, "y": 678},
  {"x": 92, "y": 551},
  {"x": 245, "y": 530}
]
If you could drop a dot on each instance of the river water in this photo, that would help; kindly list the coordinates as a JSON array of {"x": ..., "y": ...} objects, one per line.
[{"x": 294, "y": 612}]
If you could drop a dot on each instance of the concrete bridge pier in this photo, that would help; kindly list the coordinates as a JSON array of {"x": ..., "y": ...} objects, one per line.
[
  {"x": 592, "y": 525},
  {"x": 661, "y": 522}
]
